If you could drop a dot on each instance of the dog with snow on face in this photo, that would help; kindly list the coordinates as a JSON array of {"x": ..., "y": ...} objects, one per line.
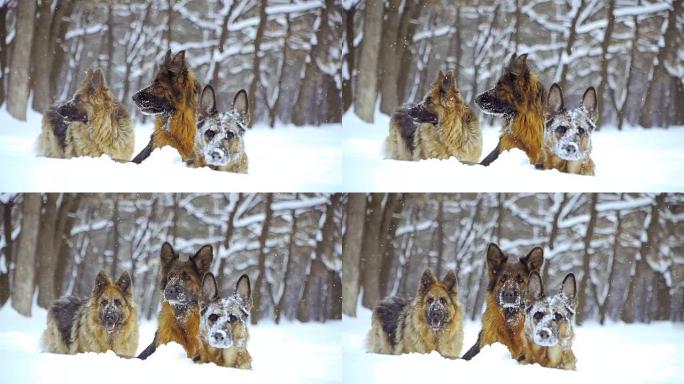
[
  {"x": 219, "y": 143},
  {"x": 549, "y": 324},
  {"x": 223, "y": 323},
  {"x": 567, "y": 133}
]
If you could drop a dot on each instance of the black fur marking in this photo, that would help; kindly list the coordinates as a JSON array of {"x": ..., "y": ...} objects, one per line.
[
  {"x": 58, "y": 124},
  {"x": 407, "y": 127},
  {"x": 475, "y": 349},
  {"x": 421, "y": 114},
  {"x": 144, "y": 154},
  {"x": 64, "y": 312},
  {"x": 389, "y": 313},
  {"x": 492, "y": 155},
  {"x": 150, "y": 348}
]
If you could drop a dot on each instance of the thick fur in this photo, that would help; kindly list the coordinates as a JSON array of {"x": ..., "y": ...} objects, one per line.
[
  {"x": 179, "y": 318},
  {"x": 439, "y": 127},
  {"x": 220, "y": 135},
  {"x": 432, "y": 321},
  {"x": 549, "y": 324},
  {"x": 224, "y": 321},
  {"x": 519, "y": 98},
  {"x": 93, "y": 123},
  {"x": 503, "y": 320},
  {"x": 173, "y": 97},
  {"x": 106, "y": 321},
  {"x": 567, "y": 133}
]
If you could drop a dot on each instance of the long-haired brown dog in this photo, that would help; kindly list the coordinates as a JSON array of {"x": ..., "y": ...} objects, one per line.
[
  {"x": 432, "y": 321},
  {"x": 93, "y": 123},
  {"x": 519, "y": 98},
  {"x": 503, "y": 320},
  {"x": 173, "y": 98},
  {"x": 438, "y": 127},
  {"x": 180, "y": 285},
  {"x": 106, "y": 321}
]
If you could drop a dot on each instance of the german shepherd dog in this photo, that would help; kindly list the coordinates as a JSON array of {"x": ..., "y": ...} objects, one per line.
[
  {"x": 440, "y": 126},
  {"x": 219, "y": 143},
  {"x": 567, "y": 133},
  {"x": 432, "y": 321},
  {"x": 519, "y": 98},
  {"x": 173, "y": 99},
  {"x": 504, "y": 317},
  {"x": 223, "y": 323},
  {"x": 549, "y": 324},
  {"x": 179, "y": 318},
  {"x": 93, "y": 123},
  {"x": 105, "y": 321}
]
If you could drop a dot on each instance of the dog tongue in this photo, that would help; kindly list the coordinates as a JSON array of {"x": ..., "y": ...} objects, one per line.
[
  {"x": 434, "y": 323},
  {"x": 109, "y": 326}
]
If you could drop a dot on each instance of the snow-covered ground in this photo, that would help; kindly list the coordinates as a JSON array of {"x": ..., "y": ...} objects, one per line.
[
  {"x": 615, "y": 353},
  {"x": 634, "y": 159},
  {"x": 286, "y": 353},
  {"x": 284, "y": 159}
]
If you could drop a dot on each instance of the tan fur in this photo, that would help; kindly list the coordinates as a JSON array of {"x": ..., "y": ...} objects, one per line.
[
  {"x": 239, "y": 166},
  {"x": 109, "y": 130},
  {"x": 232, "y": 357},
  {"x": 495, "y": 329},
  {"x": 183, "y": 330},
  {"x": 551, "y": 357},
  {"x": 552, "y": 161}
]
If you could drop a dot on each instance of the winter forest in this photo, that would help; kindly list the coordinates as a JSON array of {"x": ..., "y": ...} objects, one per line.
[
  {"x": 285, "y": 53},
  {"x": 289, "y": 245},
  {"x": 625, "y": 249},
  {"x": 631, "y": 51}
]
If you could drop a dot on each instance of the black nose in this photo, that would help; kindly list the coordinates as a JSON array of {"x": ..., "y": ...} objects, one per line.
[
  {"x": 544, "y": 334},
  {"x": 218, "y": 337},
  {"x": 216, "y": 155},
  {"x": 509, "y": 295},
  {"x": 109, "y": 317},
  {"x": 570, "y": 148},
  {"x": 171, "y": 291}
]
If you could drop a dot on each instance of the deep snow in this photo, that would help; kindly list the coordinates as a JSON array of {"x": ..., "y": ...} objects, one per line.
[
  {"x": 284, "y": 159},
  {"x": 287, "y": 353},
  {"x": 615, "y": 353},
  {"x": 635, "y": 160}
]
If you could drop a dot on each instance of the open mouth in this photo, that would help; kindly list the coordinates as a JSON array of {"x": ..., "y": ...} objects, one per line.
[
  {"x": 110, "y": 326},
  {"x": 435, "y": 324}
]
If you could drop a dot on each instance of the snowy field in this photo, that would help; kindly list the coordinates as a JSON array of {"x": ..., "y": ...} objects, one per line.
[
  {"x": 285, "y": 159},
  {"x": 635, "y": 160},
  {"x": 615, "y": 353},
  {"x": 286, "y": 353}
]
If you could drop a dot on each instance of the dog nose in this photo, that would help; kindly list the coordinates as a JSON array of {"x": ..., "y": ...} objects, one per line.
[
  {"x": 571, "y": 148},
  {"x": 170, "y": 291},
  {"x": 219, "y": 336},
  {"x": 509, "y": 295},
  {"x": 216, "y": 155},
  {"x": 109, "y": 317},
  {"x": 544, "y": 334}
]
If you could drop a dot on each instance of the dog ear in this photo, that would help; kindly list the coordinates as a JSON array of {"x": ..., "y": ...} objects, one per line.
[
  {"x": 208, "y": 101},
  {"x": 450, "y": 280},
  {"x": 124, "y": 283},
  {"x": 203, "y": 258},
  {"x": 518, "y": 65},
  {"x": 534, "y": 260},
  {"x": 241, "y": 103},
  {"x": 177, "y": 63},
  {"x": 590, "y": 103},
  {"x": 167, "y": 256},
  {"x": 244, "y": 290},
  {"x": 428, "y": 278},
  {"x": 569, "y": 287},
  {"x": 98, "y": 80},
  {"x": 448, "y": 82},
  {"x": 209, "y": 287},
  {"x": 167, "y": 57},
  {"x": 101, "y": 281},
  {"x": 535, "y": 288},
  {"x": 554, "y": 102},
  {"x": 495, "y": 258}
]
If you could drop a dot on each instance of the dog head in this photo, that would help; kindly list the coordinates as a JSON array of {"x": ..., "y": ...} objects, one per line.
[
  {"x": 223, "y": 320},
  {"x": 517, "y": 90},
  {"x": 568, "y": 132},
  {"x": 181, "y": 279},
  {"x": 113, "y": 301},
  {"x": 92, "y": 93},
  {"x": 220, "y": 134},
  {"x": 508, "y": 280},
  {"x": 442, "y": 98},
  {"x": 438, "y": 299},
  {"x": 549, "y": 319},
  {"x": 173, "y": 85}
]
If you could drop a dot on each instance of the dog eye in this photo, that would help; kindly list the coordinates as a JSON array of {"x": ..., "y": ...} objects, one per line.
[
  {"x": 104, "y": 302},
  {"x": 209, "y": 134},
  {"x": 232, "y": 318},
  {"x": 520, "y": 280},
  {"x": 561, "y": 130},
  {"x": 430, "y": 300},
  {"x": 213, "y": 317},
  {"x": 229, "y": 135},
  {"x": 557, "y": 316},
  {"x": 442, "y": 301},
  {"x": 117, "y": 302},
  {"x": 538, "y": 315},
  {"x": 580, "y": 131}
]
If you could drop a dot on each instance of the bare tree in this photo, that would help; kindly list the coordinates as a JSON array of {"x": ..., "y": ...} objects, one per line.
[{"x": 21, "y": 61}]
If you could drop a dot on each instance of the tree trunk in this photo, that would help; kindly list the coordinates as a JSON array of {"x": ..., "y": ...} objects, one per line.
[
  {"x": 581, "y": 291},
  {"x": 115, "y": 237},
  {"x": 407, "y": 28},
  {"x": 351, "y": 252},
  {"x": 603, "y": 71},
  {"x": 45, "y": 251},
  {"x": 256, "y": 60},
  {"x": 389, "y": 70},
  {"x": 3, "y": 56},
  {"x": 25, "y": 264},
  {"x": 611, "y": 274},
  {"x": 572, "y": 36},
  {"x": 256, "y": 292},
  {"x": 8, "y": 250},
  {"x": 347, "y": 92},
  {"x": 65, "y": 221},
  {"x": 58, "y": 29},
  {"x": 370, "y": 256},
  {"x": 20, "y": 66},
  {"x": 388, "y": 231},
  {"x": 367, "y": 82},
  {"x": 273, "y": 111},
  {"x": 40, "y": 58},
  {"x": 291, "y": 244}
]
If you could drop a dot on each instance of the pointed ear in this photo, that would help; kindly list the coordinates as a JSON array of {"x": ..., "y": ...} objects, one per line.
[
  {"x": 208, "y": 101},
  {"x": 450, "y": 280},
  {"x": 167, "y": 256},
  {"x": 569, "y": 287},
  {"x": 428, "y": 278},
  {"x": 495, "y": 258},
  {"x": 241, "y": 103},
  {"x": 534, "y": 260},
  {"x": 98, "y": 80},
  {"x": 167, "y": 57},
  {"x": 209, "y": 287},
  {"x": 244, "y": 290},
  {"x": 590, "y": 103},
  {"x": 101, "y": 281},
  {"x": 88, "y": 76},
  {"x": 448, "y": 82},
  {"x": 177, "y": 63},
  {"x": 518, "y": 65},
  {"x": 124, "y": 283},
  {"x": 554, "y": 102},
  {"x": 535, "y": 288},
  {"x": 203, "y": 258}
]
